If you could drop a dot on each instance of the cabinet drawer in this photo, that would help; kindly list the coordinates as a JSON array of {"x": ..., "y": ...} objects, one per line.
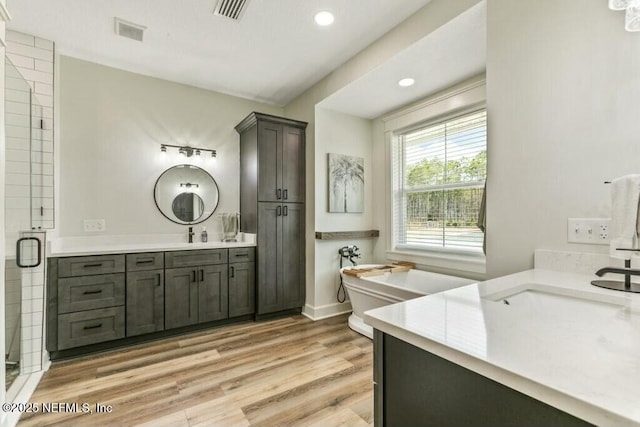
[
  {"x": 242, "y": 255},
  {"x": 90, "y": 327},
  {"x": 87, "y": 293},
  {"x": 195, "y": 258},
  {"x": 145, "y": 261},
  {"x": 89, "y": 265}
]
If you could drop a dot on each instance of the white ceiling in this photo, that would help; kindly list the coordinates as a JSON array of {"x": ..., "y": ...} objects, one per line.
[
  {"x": 273, "y": 54},
  {"x": 452, "y": 53}
]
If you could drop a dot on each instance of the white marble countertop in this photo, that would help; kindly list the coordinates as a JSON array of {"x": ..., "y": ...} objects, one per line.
[
  {"x": 566, "y": 343},
  {"x": 81, "y": 246}
]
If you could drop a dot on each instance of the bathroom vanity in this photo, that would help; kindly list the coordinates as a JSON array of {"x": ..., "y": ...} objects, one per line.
[
  {"x": 105, "y": 298},
  {"x": 534, "y": 348}
]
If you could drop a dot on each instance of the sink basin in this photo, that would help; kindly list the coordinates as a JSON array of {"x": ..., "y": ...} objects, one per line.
[{"x": 541, "y": 298}]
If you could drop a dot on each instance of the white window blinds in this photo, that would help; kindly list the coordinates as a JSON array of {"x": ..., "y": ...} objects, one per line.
[{"x": 439, "y": 174}]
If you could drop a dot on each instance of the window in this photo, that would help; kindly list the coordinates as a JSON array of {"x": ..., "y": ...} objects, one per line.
[{"x": 439, "y": 174}]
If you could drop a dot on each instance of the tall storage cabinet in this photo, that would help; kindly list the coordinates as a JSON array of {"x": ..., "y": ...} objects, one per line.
[{"x": 272, "y": 194}]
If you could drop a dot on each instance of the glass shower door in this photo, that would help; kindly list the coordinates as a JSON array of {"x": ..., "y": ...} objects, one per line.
[{"x": 24, "y": 238}]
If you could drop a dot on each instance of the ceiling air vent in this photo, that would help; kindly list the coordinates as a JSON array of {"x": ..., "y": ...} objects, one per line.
[
  {"x": 232, "y": 9},
  {"x": 129, "y": 29}
]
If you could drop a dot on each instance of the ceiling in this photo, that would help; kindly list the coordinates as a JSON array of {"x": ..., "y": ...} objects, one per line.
[
  {"x": 272, "y": 54},
  {"x": 452, "y": 53}
]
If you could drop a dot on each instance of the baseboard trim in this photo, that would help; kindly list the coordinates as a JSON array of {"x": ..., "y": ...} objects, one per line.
[{"x": 326, "y": 311}]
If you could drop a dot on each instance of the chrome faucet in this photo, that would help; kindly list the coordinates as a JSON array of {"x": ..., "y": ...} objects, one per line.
[
  {"x": 191, "y": 233},
  {"x": 626, "y": 286}
]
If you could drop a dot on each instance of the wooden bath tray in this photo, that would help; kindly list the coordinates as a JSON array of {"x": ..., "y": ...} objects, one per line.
[{"x": 395, "y": 267}]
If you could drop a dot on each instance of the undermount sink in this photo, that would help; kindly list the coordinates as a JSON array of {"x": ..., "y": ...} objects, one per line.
[{"x": 542, "y": 298}]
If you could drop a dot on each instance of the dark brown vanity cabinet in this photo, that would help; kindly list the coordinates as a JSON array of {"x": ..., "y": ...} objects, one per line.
[
  {"x": 272, "y": 194},
  {"x": 88, "y": 305},
  {"x": 102, "y": 301},
  {"x": 242, "y": 282},
  {"x": 280, "y": 162},
  {"x": 196, "y": 290},
  {"x": 281, "y": 262},
  {"x": 145, "y": 293}
]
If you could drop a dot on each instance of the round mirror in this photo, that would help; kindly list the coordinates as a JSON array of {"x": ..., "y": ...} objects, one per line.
[{"x": 186, "y": 194}]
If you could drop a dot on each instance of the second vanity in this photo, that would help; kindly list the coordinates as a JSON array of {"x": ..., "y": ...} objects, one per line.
[
  {"x": 538, "y": 347},
  {"x": 100, "y": 296}
]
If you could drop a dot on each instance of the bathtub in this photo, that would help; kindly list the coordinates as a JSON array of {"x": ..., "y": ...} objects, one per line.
[{"x": 367, "y": 293}]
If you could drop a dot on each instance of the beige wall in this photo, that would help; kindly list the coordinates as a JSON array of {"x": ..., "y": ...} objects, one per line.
[
  {"x": 420, "y": 24},
  {"x": 341, "y": 134},
  {"x": 112, "y": 123},
  {"x": 563, "y": 93}
]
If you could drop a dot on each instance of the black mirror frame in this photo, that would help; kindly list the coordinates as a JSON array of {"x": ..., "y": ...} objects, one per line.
[{"x": 186, "y": 222}]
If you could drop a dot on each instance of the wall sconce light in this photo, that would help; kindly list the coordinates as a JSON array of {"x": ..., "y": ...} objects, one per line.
[
  {"x": 188, "y": 185},
  {"x": 632, "y": 12},
  {"x": 186, "y": 150}
]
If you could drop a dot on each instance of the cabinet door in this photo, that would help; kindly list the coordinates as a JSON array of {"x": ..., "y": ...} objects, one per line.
[
  {"x": 293, "y": 165},
  {"x": 269, "y": 288},
  {"x": 213, "y": 296},
  {"x": 292, "y": 255},
  {"x": 181, "y": 297},
  {"x": 242, "y": 288},
  {"x": 269, "y": 161},
  {"x": 145, "y": 302}
]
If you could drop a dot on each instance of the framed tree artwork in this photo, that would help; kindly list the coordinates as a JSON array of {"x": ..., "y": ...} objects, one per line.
[{"x": 346, "y": 183}]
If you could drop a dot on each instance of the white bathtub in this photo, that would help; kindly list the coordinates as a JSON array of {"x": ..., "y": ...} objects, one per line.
[{"x": 367, "y": 293}]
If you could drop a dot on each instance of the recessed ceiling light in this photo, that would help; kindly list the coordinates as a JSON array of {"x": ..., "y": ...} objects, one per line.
[
  {"x": 406, "y": 82},
  {"x": 324, "y": 18}
]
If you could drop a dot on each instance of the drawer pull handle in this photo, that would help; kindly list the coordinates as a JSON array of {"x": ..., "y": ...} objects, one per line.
[
  {"x": 286, "y": 211},
  {"x": 147, "y": 261},
  {"x": 278, "y": 194},
  {"x": 242, "y": 255},
  {"x": 99, "y": 325},
  {"x": 92, "y": 265},
  {"x": 285, "y": 194},
  {"x": 202, "y": 275},
  {"x": 233, "y": 272},
  {"x": 279, "y": 211},
  {"x": 193, "y": 275},
  {"x": 92, "y": 292}
]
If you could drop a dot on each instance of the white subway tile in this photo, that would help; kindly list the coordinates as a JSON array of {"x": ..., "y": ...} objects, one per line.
[
  {"x": 40, "y": 65},
  {"x": 44, "y": 44},
  {"x": 43, "y": 89},
  {"x": 17, "y": 96},
  {"x": 36, "y": 76},
  {"x": 22, "y": 38},
  {"x": 30, "y": 51},
  {"x": 20, "y": 61},
  {"x": 17, "y": 132},
  {"x": 17, "y": 120}
]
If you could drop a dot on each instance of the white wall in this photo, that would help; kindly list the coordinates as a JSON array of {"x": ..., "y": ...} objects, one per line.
[
  {"x": 563, "y": 93},
  {"x": 340, "y": 134},
  {"x": 423, "y": 22},
  {"x": 112, "y": 123}
]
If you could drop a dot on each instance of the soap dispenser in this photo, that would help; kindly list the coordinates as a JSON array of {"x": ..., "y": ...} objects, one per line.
[{"x": 203, "y": 235}]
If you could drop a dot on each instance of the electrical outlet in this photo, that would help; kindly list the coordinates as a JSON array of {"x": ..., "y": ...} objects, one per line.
[
  {"x": 592, "y": 231},
  {"x": 94, "y": 225}
]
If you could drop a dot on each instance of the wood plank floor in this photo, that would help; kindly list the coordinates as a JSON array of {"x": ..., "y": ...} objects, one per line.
[{"x": 284, "y": 372}]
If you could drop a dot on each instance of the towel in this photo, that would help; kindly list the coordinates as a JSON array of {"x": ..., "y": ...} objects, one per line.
[{"x": 625, "y": 195}]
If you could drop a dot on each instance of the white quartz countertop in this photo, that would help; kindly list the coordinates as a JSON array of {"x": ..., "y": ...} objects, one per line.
[
  {"x": 135, "y": 244},
  {"x": 557, "y": 338}
]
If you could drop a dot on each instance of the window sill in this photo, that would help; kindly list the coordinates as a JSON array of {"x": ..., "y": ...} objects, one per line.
[{"x": 474, "y": 263}]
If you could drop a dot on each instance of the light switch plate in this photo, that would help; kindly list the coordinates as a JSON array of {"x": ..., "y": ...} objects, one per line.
[
  {"x": 94, "y": 225},
  {"x": 591, "y": 231}
]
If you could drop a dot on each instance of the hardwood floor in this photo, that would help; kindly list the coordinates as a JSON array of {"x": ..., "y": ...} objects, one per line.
[{"x": 285, "y": 372}]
